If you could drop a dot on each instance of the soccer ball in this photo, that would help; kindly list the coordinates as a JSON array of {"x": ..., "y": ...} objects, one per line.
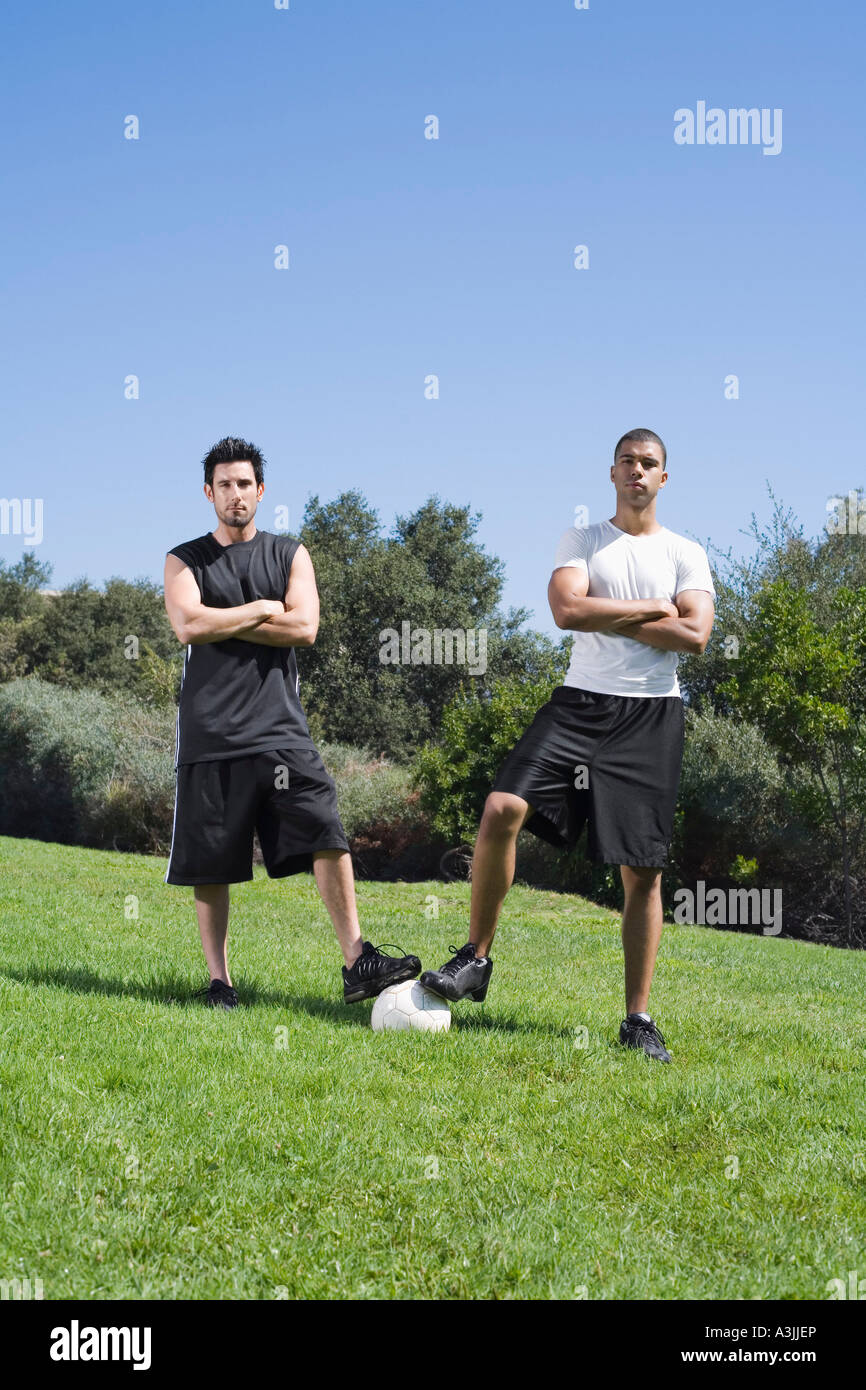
[{"x": 409, "y": 1005}]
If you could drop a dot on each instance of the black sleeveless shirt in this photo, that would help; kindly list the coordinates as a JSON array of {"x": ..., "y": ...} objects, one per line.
[{"x": 238, "y": 697}]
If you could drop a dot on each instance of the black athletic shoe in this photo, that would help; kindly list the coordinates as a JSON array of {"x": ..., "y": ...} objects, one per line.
[
  {"x": 464, "y": 976},
  {"x": 218, "y": 995},
  {"x": 374, "y": 971},
  {"x": 635, "y": 1031}
]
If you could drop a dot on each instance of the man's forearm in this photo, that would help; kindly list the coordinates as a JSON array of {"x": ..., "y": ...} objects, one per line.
[
  {"x": 605, "y": 614},
  {"x": 666, "y": 634},
  {"x": 288, "y": 630},
  {"x": 218, "y": 624}
]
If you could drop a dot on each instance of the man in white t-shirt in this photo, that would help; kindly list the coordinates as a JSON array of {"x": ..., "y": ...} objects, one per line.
[{"x": 607, "y": 747}]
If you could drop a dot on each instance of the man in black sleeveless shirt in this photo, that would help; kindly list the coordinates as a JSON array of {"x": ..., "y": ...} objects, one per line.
[{"x": 241, "y": 600}]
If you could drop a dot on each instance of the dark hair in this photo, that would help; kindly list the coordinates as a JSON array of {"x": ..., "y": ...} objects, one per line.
[
  {"x": 642, "y": 437},
  {"x": 231, "y": 450}
]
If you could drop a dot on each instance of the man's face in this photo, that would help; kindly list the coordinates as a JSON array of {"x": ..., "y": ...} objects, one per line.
[
  {"x": 638, "y": 473},
  {"x": 235, "y": 493}
]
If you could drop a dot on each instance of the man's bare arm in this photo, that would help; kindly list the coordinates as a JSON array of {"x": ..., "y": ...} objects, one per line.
[
  {"x": 574, "y": 610},
  {"x": 194, "y": 623},
  {"x": 689, "y": 631},
  {"x": 298, "y": 625}
]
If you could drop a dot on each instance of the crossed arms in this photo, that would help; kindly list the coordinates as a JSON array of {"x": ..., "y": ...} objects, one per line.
[
  {"x": 289, "y": 622},
  {"x": 294, "y": 621},
  {"x": 683, "y": 626}
]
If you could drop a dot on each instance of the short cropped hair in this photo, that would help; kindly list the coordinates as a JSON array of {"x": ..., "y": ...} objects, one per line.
[
  {"x": 231, "y": 450},
  {"x": 641, "y": 437}
]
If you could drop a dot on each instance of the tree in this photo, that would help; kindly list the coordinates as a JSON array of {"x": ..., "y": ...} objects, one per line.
[
  {"x": 478, "y": 729},
  {"x": 801, "y": 677},
  {"x": 781, "y": 550},
  {"x": 388, "y": 596},
  {"x": 19, "y": 587},
  {"x": 87, "y": 637}
]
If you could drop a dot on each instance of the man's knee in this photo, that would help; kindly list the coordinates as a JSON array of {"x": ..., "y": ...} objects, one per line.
[
  {"x": 636, "y": 879},
  {"x": 504, "y": 814}
]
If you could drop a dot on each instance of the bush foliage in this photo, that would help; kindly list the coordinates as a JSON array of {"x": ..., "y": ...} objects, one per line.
[{"x": 81, "y": 767}]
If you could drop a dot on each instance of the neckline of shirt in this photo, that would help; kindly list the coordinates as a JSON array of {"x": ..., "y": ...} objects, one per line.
[
  {"x": 252, "y": 540},
  {"x": 654, "y": 535}
]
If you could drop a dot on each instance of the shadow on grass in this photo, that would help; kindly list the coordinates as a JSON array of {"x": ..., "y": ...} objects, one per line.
[
  {"x": 176, "y": 989},
  {"x": 167, "y": 989}
]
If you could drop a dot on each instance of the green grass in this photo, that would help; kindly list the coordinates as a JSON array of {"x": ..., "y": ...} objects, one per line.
[{"x": 155, "y": 1149}]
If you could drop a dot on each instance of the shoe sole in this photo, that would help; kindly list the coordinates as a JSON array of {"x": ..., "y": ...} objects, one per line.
[
  {"x": 372, "y": 991},
  {"x": 476, "y": 995}
]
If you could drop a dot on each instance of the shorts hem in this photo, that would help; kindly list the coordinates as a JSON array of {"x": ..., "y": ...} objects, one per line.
[
  {"x": 203, "y": 882},
  {"x": 636, "y": 864},
  {"x": 305, "y": 861},
  {"x": 541, "y": 826}
]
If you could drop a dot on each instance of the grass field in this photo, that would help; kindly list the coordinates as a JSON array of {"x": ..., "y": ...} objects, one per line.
[{"x": 155, "y": 1149}]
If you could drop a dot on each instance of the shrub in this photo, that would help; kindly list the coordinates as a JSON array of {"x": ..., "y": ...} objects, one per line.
[
  {"x": 56, "y": 751},
  {"x": 85, "y": 768},
  {"x": 730, "y": 797},
  {"x": 381, "y": 811},
  {"x": 455, "y": 774},
  {"x": 745, "y": 817}
]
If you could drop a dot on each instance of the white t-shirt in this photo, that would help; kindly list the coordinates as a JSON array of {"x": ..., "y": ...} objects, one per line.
[{"x": 627, "y": 567}]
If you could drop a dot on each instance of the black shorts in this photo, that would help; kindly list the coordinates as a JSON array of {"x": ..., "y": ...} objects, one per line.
[
  {"x": 610, "y": 760},
  {"x": 286, "y": 796}
]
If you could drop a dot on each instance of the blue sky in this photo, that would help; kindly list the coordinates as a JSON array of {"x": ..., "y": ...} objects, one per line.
[{"x": 410, "y": 257}]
